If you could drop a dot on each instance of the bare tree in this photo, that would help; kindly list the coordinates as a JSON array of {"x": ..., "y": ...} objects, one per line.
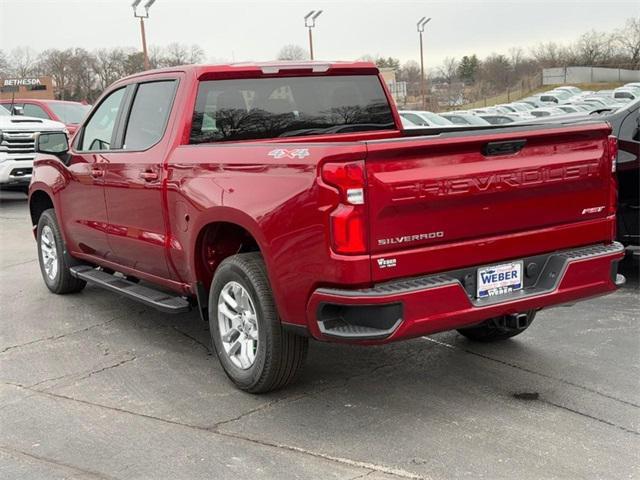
[
  {"x": 594, "y": 48},
  {"x": 448, "y": 71},
  {"x": 57, "y": 63},
  {"x": 196, "y": 54},
  {"x": 82, "y": 78},
  {"x": 628, "y": 39},
  {"x": 23, "y": 61},
  {"x": 496, "y": 70},
  {"x": 410, "y": 73},
  {"x": 133, "y": 61},
  {"x": 107, "y": 64},
  {"x": 176, "y": 54},
  {"x": 547, "y": 54},
  {"x": 5, "y": 66},
  {"x": 292, "y": 52}
]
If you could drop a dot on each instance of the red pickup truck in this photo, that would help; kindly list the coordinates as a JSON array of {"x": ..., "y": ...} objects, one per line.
[{"x": 285, "y": 201}]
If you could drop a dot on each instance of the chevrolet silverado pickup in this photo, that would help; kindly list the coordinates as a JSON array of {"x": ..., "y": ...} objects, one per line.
[
  {"x": 17, "y": 147},
  {"x": 284, "y": 201}
]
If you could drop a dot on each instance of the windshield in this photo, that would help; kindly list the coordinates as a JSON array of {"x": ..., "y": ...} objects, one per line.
[
  {"x": 70, "y": 112},
  {"x": 4, "y": 112},
  {"x": 288, "y": 106}
]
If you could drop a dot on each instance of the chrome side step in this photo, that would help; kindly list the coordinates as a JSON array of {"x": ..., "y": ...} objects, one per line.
[{"x": 165, "y": 302}]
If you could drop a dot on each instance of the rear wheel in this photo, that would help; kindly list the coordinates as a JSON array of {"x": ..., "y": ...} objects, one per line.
[
  {"x": 53, "y": 257},
  {"x": 498, "y": 328},
  {"x": 254, "y": 350}
]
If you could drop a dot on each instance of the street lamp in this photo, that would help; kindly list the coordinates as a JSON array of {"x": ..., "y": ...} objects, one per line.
[
  {"x": 421, "y": 23},
  {"x": 142, "y": 17},
  {"x": 310, "y": 22}
]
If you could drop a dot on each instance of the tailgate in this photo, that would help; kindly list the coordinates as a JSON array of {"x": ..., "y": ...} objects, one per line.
[{"x": 468, "y": 188}]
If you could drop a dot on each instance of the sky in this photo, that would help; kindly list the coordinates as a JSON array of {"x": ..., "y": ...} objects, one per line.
[{"x": 348, "y": 29}]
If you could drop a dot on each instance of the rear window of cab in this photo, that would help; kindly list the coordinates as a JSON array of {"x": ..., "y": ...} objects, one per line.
[{"x": 263, "y": 108}]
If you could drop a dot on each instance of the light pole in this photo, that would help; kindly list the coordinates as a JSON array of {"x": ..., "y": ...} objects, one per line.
[
  {"x": 421, "y": 23},
  {"x": 142, "y": 17},
  {"x": 310, "y": 22}
]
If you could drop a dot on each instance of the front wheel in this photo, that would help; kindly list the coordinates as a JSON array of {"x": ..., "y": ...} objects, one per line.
[
  {"x": 254, "y": 350},
  {"x": 499, "y": 328},
  {"x": 53, "y": 257}
]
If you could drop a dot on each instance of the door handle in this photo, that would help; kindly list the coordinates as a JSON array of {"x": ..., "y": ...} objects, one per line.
[
  {"x": 148, "y": 176},
  {"x": 96, "y": 172}
]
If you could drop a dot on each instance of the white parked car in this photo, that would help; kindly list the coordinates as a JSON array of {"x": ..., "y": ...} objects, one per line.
[
  {"x": 425, "y": 119},
  {"x": 626, "y": 94},
  {"x": 499, "y": 118},
  {"x": 464, "y": 118},
  {"x": 570, "y": 89},
  {"x": 408, "y": 124},
  {"x": 547, "y": 112},
  {"x": 571, "y": 108},
  {"x": 511, "y": 109},
  {"x": 555, "y": 97},
  {"x": 17, "y": 147}
]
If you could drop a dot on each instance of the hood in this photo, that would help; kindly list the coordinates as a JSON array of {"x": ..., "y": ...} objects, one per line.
[{"x": 22, "y": 123}]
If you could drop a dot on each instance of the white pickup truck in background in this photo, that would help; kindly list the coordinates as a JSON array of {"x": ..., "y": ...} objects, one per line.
[{"x": 17, "y": 147}]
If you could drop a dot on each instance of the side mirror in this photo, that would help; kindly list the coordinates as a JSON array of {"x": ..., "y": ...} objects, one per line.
[
  {"x": 18, "y": 111},
  {"x": 53, "y": 143}
]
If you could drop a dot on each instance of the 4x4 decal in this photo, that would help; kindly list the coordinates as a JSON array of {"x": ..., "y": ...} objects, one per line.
[{"x": 286, "y": 153}]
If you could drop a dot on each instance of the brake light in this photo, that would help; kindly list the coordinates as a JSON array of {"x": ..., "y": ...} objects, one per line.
[
  {"x": 347, "y": 221},
  {"x": 612, "y": 151}
]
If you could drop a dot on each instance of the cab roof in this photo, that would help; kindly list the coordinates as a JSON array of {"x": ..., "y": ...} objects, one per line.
[{"x": 259, "y": 69}]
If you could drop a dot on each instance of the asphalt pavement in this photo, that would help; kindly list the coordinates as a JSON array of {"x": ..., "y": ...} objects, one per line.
[{"x": 94, "y": 386}]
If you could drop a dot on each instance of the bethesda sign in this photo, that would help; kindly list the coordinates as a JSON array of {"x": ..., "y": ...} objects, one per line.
[{"x": 19, "y": 82}]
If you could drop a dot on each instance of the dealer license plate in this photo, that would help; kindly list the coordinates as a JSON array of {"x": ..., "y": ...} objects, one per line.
[{"x": 499, "y": 279}]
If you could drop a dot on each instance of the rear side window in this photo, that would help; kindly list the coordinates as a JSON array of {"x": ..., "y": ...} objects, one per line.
[
  {"x": 149, "y": 114},
  {"x": 229, "y": 110}
]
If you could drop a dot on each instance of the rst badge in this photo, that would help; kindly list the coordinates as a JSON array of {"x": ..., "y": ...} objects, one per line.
[{"x": 289, "y": 153}]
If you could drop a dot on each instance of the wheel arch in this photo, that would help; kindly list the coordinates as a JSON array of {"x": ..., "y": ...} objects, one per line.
[
  {"x": 39, "y": 201},
  {"x": 223, "y": 232}
]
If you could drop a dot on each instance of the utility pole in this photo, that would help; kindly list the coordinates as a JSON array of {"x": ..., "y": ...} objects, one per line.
[
  {"x": 421, "y": 23},
  {"x": 142, "y": 32},
  {"x": 310, "y": 23}
]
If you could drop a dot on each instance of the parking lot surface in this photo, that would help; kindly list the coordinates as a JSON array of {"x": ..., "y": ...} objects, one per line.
[{"x": 93, "y": 386}]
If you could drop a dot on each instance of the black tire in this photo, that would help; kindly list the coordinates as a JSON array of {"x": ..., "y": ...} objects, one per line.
[
  {"x": 61, "y": 282},
  {"x": 494, "y": 329},
  {"x": 279, "y": 355}
]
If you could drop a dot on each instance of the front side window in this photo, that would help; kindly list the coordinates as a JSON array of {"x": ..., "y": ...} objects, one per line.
[
  {"x": 99, "y": 130},
  {"x": 231, "y": 110},
  {"x": 31, "y": 110},
  {"x": 149, "y": 114}
]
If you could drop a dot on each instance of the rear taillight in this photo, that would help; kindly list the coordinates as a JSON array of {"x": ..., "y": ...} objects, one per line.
[
  {"x": 612, "y": 151},
  {"x": 347, "y": 221}
]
